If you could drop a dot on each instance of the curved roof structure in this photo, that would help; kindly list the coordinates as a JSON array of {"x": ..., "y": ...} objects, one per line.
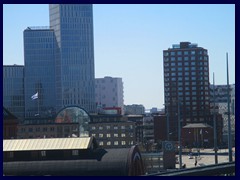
[
  {"x": 75, "y": 114},
  {"x": 113, "y": 162}
]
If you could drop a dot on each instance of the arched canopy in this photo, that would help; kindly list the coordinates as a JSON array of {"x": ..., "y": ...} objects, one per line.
[{"x": 75, "y": 114}]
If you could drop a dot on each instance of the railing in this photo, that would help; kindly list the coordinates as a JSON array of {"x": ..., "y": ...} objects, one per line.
[{"x": 223, "y": 169}]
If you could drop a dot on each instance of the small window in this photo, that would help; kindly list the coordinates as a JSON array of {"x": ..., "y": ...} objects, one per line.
[
  {"x": 115, "y": 143},
  {"x": 11, "y": 154},
  {"x": 109, "y": 143},
  {"x": 75, "y": 152},
  {"x": 43, "y": 153}
]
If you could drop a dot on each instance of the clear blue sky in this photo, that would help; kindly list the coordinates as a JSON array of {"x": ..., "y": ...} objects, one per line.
[{"x": 129, "y": 41}]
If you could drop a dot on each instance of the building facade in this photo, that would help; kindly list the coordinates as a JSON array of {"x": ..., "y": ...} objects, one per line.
[
  {"x": 54, "y": 130},
  {"x": 186, "y": 85},
  {"x": 13, "y": 89},
  {"x": 112, "y": 131},
  {"x": 39, "y": 78},
  {"x": 109, "y": 92},
  {"x": 75, "y": 76},
  {"x": 134, "y": 109}
]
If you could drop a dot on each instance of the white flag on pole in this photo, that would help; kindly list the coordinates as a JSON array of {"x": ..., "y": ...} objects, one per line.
[{"x": 35, "y": 96}]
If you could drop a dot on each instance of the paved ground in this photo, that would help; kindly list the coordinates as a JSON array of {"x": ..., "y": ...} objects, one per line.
[{"x": 207, "y": 158}]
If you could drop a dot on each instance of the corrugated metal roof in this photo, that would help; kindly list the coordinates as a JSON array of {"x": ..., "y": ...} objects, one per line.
[{"x": 47, "y": 144}]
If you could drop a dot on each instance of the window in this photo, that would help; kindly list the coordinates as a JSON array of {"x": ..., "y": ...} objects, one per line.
[
  {"x": 100, "y": 128},
  {"x": 122, "y": 127},
  {"x": 179, "y": 58},
  {"x": 185, "y": 58},
  {"x": 192, "y": 52},
  {"x": 94, "y": 135},
  {"x": 109, "y": 143},
  {"x": 101, "y": 143},
  {"x": 123, "y": 135},
  {"x": 165, "y": 59},
  {"x": 11, "y": 154},
  {"x": 108, "y": 135},
  {"x": 172, "y": 53},
  {"x": 115, "y": 135},
  {"x": 115, "y": 127},
  {"x": 100, "y": 135},
  {"x": 185, "y": 52},
  {"x": 43, "y": 153},
  {"x": 123, "y": 142},
  {"x": 108, "y": 127},
  {"x": 93, "y": 128},
  {"x": 172, "y": 58},
  {"x": 165, "y": 53},
  {"x": 115, "y": 143},
  {"x": 179, "y": 53},
  {"x": 75, "y": 152}
]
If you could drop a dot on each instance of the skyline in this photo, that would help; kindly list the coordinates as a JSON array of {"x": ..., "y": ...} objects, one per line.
[{"x": 135, "y": 52}]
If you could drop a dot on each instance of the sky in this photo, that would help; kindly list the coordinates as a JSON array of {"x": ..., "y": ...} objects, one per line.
[{"x": 129, "y": 40}]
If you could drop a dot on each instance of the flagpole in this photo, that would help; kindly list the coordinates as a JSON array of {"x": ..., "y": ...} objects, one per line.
[{"x": 38, "y": 105}]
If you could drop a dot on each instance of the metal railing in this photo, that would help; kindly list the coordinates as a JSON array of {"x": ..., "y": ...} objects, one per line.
[{"x": 223, "y": 169}]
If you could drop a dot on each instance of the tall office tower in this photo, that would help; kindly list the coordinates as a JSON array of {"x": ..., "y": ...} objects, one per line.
[
  {"x": 39, "y": 54},
  {"x": 13, "y": 90},
  {"x": 186, "y": 85},
  {"x": 109, "y": 92},
  {"x": 75, "y": 79}
]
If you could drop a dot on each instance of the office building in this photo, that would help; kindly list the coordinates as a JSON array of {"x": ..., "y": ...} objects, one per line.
[
  {"x": 39, "y": 77},
  {"x": 186, "y": 85},
  {"x": 109, "y": 92},
  {"x": 75, "y": 78},
  {"x": 13, "y": 89}
]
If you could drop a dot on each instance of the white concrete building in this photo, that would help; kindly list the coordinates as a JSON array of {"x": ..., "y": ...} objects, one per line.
[
  {"x": 134, "y": 109},
  {"x": 109, "y": 92}
]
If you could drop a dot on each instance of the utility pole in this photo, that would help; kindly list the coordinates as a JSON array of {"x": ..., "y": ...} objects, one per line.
[
  {"x": 229, "y": 120},
  {"x": 214, "y": 125}
]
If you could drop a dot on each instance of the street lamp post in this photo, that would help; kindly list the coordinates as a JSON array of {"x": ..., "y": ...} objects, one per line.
[{"x": 214, "y": 123}]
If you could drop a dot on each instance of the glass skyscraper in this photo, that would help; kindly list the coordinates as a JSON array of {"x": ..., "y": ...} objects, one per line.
[
  {"x": 13, "y": 89},
  {"x": 75, "y": 78},
  {"x": 39, "y": 57},
  {"x": 59, "y": 61}
]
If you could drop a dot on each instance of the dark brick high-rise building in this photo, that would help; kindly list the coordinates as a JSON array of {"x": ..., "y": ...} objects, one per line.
[{"x": 186, "y": 83}]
